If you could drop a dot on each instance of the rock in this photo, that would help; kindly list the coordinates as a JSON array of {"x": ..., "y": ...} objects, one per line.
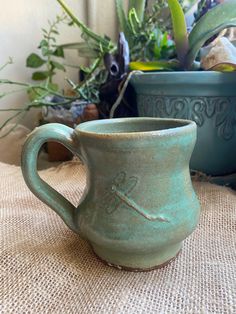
[
  {"x": 230, "y": 33},
  {"x": 221, "y": 50}
]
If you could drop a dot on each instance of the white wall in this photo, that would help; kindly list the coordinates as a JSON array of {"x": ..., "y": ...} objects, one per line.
[{"x": 20, "y": 32}]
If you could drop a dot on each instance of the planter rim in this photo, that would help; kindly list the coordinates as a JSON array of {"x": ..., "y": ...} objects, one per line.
[
  {"x": 187, "y": 73},
  {"x": 184, "y": 77}
]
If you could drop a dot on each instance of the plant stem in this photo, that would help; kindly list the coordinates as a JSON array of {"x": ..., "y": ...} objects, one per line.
[
  {"x": 11, "y": 118},
  {"x": 49, "y": 39},
  {"x": 10, "y": 61},
  {"x": 3, "y": 81},
  {"x": 11, "y": 109},
  {"x": 35, "y": 87},
  {"x": 180, "y": 30},
  {"x": 15, "y": 125},
  {"x": 139, "y": 6},
  {"x": 83, "y": 27}
]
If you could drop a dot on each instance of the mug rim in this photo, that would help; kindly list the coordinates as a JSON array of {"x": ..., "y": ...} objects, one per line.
[{"x": 184, "y": 126}]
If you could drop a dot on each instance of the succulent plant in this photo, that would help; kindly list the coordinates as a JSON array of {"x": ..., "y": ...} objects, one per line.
[{"x": 214, "y": 21}]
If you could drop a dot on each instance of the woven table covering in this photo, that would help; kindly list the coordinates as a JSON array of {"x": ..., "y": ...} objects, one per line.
[{"x": 46, "y": 268}]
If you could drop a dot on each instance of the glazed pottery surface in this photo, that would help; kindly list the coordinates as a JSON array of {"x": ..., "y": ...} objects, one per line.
[
  {"x": 139, "y": 204},
  {"x": 209, "y": 99}
]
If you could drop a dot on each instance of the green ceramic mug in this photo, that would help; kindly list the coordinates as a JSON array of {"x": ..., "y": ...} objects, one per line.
[{"x": 139, "y": 203}]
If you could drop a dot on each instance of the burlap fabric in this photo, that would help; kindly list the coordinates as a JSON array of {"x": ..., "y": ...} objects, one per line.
[{"x": 46, "y": 268}]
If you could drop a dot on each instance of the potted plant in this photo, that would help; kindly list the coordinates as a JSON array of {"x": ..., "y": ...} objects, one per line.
[
  {"x": 184, "y": 90},
  {"x": 179, "y": 88},
  {"x": 174, "y": 86},
  {"x": 107, "y": 69},
  {"x": 69, "y": 107}
]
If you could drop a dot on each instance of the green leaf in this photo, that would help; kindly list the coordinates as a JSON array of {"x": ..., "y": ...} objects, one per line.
[
  {"x": 59, "y": 52},
  {"x": 157, "y": 51},
  {"x": 164, "y": 40},
  {"x": 71, "y": 23},
  {"x": 43, "y": 43},
  {"x": 40, "y": 76},
  {"x": 35, "y": 92},
  {"x": 54, "y": 32},
  {"x": 47, "y": 52},
  {"x": 34, "y": 61},
  {"x": 53, "y": 87},
  {"x": 179, "y": 29},
  {"x": 214, "y": 21},
  {"x": 71, "y": 46},
  {"x": 134, "y": 21},
  {"x": 123, "y": 22},
  {"x": 139, "y": 7},
  {"x": 154, "y": 66},
  {"x": 121, "y": 15},
  {"x": 57, "y": 65},
  {"x": 85, "y": 69},
  {"x": 44, "y": 51}
]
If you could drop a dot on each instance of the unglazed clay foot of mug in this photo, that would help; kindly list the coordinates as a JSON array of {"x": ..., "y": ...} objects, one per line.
[{"x": 145, "y": 267}]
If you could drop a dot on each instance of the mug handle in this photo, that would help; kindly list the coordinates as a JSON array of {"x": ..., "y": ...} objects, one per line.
[{"x": 49, "y": 132}]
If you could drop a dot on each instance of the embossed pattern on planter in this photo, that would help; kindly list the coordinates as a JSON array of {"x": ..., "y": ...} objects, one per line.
[{"x": 198, "y": 109}]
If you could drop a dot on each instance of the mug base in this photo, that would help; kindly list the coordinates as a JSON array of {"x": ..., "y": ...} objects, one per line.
[{"x": 138, "y": 262}]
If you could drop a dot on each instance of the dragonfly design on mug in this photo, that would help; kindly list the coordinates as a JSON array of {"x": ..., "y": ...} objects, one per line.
[{"x": 119, "y": 193}]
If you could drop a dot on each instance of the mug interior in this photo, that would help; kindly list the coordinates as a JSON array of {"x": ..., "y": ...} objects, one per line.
[{"x": 131, "y": 125}]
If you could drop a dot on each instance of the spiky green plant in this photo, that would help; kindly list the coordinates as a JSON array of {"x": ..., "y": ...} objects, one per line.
[{"x": 188, "y": 46}]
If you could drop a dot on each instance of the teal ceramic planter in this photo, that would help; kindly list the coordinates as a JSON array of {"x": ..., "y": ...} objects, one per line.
[
  {"x": 139, "y": 204},
  {"x": 209, "y": 99}
]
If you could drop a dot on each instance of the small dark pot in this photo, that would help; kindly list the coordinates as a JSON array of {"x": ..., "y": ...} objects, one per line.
[{"x": 209, "y": 99}]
